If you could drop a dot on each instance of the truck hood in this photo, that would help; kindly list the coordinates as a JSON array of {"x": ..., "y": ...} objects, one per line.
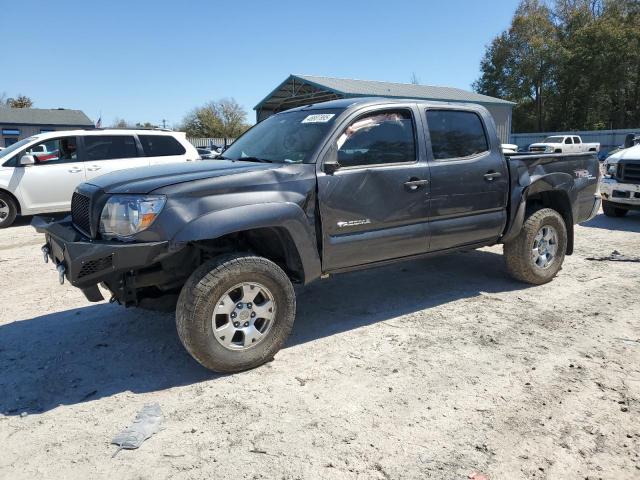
[
  {"x": 631, "y": 153},
  {"x": 146, "y": 179}
]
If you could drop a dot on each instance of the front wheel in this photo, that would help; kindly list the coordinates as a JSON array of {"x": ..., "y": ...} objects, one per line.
[
  {"x": 235, "y": 312},
  {"x": 8, "y": 210},
  {"x": 611, "y": 210},
  {"x": 535, "y": 256}
]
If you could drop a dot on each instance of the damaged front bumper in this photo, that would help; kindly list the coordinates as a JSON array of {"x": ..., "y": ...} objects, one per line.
[
  {"x": 623, "y": 193},
  {"x": 85, "y": 262}
]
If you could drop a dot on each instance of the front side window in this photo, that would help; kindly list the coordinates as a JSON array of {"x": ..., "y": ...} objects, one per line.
[
  {"x": 161, "y": 146},
  {"x": 378, "y": 138},
  {"x": 50, "y": 152},
  {"x": 456, "y": 134},
  {"x": 6, "y": 159},
  {"x": 569, "y": 141},
  {"x": 108, "y": 147}
]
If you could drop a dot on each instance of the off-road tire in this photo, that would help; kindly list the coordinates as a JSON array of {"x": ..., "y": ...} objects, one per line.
[
  {"x": 7, "y": 200},
  {"x": 518, "y": 252},
  {"x": 200, "y": 295},
  {"x": 610, "y": 209}
]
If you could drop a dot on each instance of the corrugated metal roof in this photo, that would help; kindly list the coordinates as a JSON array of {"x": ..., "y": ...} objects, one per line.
[
  {"x": 407, "y": 90},
  {"x": 351, "y": 87},
  {"x": 44, "y": 116}
]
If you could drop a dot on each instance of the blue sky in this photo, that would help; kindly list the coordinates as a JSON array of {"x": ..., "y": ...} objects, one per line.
[{"x": 149, "y": 60}]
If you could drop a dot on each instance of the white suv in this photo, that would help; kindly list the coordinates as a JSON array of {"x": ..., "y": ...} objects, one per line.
[{"x": 40, "y": 173}]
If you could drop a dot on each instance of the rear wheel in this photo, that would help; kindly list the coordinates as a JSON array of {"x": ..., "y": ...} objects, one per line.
[
  {"x": 235, "y": 312},
  {"x": 611, "y": 209},
  {"x": 535, "y": 256},
  {"x": 8, "y": 210}
]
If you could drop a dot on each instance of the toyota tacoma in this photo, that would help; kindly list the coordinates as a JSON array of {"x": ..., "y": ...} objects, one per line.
[{"x": 307, "y": 193}]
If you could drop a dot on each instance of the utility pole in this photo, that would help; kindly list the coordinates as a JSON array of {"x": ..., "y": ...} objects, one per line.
[{"x": 164, "y": 123}]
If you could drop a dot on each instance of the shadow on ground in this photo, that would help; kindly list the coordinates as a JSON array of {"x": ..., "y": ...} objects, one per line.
[
  {"x": 22, "y": 221},
  {"x": 97, "y": 351},
  {"x": 629, "y": 223}
]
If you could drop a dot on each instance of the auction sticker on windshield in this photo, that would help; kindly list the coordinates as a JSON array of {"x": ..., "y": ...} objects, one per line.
[{"x": 318, "y": 118}]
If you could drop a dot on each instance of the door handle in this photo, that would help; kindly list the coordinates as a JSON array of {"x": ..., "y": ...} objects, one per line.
[
  {"x": 75, "y": 170},
  {"x": 93, "y": 168},
  {"x": 415, "y": 184},
  {"x": 489, "y": 176}
]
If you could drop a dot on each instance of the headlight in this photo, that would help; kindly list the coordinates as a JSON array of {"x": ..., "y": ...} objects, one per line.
[
  {"x": 126, "y": 215},
  {"x": 611, "y": 170},
  {"x": 548, "y": 148}
]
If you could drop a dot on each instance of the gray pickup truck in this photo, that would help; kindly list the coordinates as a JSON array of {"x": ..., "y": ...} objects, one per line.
[{"x": 311, "y": 192}]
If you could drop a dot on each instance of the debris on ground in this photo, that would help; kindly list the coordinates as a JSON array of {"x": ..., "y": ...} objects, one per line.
[
  {"x": 615, "y": 256},
  {"x": 148, "y": 421},
  {"x": 478, "y": 476}
]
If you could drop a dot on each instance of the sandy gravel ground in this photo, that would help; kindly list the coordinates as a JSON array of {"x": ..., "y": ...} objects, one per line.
[{"x": 429, "y": 369}]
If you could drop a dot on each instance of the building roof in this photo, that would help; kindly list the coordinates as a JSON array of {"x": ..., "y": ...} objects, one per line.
[
  {"x": 44, "y": 116},
  {"x": 355, "y": 88}
]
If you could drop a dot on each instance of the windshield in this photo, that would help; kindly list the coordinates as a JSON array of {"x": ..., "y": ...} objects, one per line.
[
  {"x": 553, "y": 140},
  {"x": 7, "y": 152},
  {"x": 288, "y": 137}
]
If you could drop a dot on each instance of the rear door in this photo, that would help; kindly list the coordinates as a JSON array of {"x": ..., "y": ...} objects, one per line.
[
  {"x": 577, "y": 144},
  {"x": 568, "y": 146},
  {"x": 374, "y": 207},
  {"x": 469, "y": 178},
  {"x": 160, "y": 149},
  {"x": 47, "y": 185},
  {"x": 109, "y": 153}
]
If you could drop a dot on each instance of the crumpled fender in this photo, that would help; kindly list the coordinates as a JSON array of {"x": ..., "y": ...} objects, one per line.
[
  {"x": 285, "y": 215},
  {"x": 530, "y": 184}
]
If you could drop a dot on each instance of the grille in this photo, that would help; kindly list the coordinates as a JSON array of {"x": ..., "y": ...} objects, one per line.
[
  {"x": 94, "y": 266},
  {"x": 629, "y": 172},
  {"x": 80, "y": 212},
  {"x": 537, "y": 149}
]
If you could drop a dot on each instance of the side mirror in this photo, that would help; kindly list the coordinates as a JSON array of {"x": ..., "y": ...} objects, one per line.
[
  {"x": 27, "y": 160},
  {"x": 330, "y": 164},
  {"x": 629, "y": 140}
]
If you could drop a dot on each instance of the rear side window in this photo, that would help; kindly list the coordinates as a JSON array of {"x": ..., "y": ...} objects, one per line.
[
  {"x": 110, "y": 147},
  {"x": 161, "y": 145},
  {"x": 456, "y": 134}
]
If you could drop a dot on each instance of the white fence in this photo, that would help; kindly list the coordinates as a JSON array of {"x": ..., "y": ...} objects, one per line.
[
  {"x": 608, "y": 139},
  {"x": 206, "y": 142}
]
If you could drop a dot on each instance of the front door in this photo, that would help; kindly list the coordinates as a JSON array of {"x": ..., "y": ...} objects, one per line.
[
  {"x": 375, "y": 205},
  {"x": 47, "y": 185},
  {"x": 469, "y": 179}
]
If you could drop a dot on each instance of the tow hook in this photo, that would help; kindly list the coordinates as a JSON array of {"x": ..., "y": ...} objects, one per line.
[
  {"x": 45, "y": 253},
  {"x": 61, "y": 271}
]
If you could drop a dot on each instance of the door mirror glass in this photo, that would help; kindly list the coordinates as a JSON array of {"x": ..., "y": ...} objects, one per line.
[
  {"x": 27, "y": 160},
  {"x": 629, "y": 140}
]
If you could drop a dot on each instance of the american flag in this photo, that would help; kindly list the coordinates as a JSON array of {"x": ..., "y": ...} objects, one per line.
[{"x": 99, "y": 122}]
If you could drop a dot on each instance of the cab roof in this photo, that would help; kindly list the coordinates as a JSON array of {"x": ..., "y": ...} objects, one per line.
[{"x": 348, "y": 103}]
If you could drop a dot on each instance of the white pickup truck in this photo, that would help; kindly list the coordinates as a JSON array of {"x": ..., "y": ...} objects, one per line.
[
  {"x": 564, "y": 144},
  {"x": 620, "y": 185}
]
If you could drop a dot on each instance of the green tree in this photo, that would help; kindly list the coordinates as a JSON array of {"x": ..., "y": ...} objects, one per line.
[
  {"x": 568, "y": 64},
  {"x": 222, "y": 118},
  {"x": 120, "y": 123},
  {"x": 21, "y": 101},
  {"x": 518, "y": 64}
]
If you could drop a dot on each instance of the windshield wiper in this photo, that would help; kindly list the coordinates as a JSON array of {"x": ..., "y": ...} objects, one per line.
[{"x": 255, "y": 159}]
